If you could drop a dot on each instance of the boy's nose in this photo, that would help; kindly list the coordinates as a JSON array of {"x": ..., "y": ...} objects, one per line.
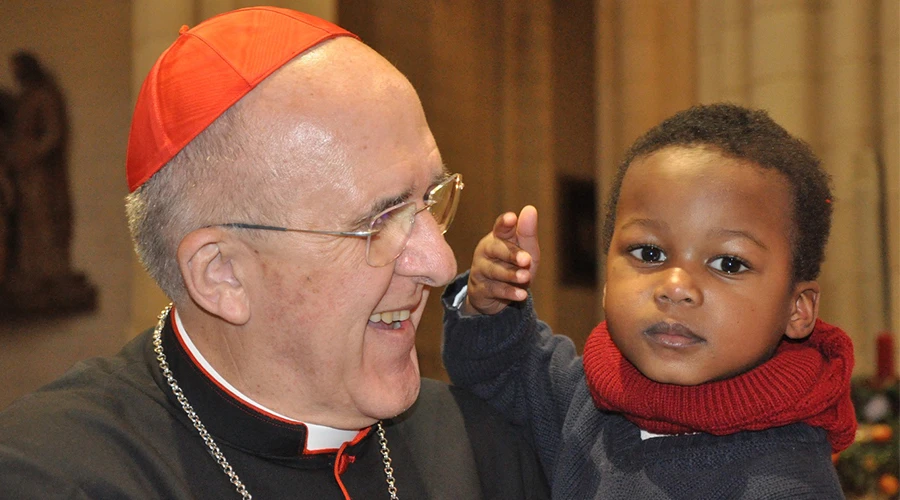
[{"x": 678, "y": 287}]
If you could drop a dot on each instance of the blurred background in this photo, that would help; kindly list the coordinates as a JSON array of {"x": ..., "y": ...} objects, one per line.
[{"x": 533, "y": 101}]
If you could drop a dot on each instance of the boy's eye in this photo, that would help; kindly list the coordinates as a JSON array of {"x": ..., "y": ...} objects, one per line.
[
  {"x": 729, "y": 265},
  {"x": 648, "y": 253}
]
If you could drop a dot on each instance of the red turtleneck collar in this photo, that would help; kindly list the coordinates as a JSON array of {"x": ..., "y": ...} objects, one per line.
[{"x": 806, "y": 381}]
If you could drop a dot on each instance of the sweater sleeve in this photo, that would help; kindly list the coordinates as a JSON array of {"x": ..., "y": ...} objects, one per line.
[{"x": 516, "y": 363}]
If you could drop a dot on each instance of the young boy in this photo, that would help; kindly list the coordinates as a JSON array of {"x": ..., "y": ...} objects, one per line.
[{"x": 711, "y": 376}]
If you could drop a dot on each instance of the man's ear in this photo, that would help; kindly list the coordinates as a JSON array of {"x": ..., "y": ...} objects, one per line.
[
  {"x": 208, "y": 264},
  {"x": 804, "y": 310}
]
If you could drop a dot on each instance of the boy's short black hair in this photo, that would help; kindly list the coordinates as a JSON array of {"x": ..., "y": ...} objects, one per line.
[{"x": 752, "y": 135}]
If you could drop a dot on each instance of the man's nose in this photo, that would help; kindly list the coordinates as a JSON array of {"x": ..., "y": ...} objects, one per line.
[
  {"x": 427, "y": 255},
  {"x": 678, "y": 286}
]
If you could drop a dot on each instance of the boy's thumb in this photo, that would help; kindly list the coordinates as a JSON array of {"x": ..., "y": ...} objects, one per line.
[{"x": 527, "y": 235}]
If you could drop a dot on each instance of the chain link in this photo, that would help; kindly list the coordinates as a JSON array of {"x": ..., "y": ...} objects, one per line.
[
  {"x": 386, "y": 459},
  {"x": 211, "y": 443}
]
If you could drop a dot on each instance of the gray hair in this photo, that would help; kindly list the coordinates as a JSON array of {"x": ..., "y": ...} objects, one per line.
[{"x": 208, "y": 182}]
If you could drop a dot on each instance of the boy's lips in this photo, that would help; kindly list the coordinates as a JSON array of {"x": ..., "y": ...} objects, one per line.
[{"x": 673, "y": 335}]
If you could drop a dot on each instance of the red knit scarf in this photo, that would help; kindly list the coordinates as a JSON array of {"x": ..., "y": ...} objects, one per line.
[{"x": 805, "y": 381}]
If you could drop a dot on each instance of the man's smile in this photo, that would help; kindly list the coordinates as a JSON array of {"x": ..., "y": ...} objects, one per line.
[{"x": 392, "y": 318}]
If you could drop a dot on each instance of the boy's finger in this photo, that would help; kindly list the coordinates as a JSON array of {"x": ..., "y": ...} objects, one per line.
[
  {"x": 503, "y": 272},
  {"x": 506, "y": 291},
  {"x": 505, "y": 226},
  {"x": 527, "y": 235},
  {"x": 506, "y": 251},
  {"x": 490, "y": 297}
]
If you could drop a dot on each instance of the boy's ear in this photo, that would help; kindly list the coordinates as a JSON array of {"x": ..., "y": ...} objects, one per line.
[
  {"x": 208, "y": 264},
  {"x": 804, "y": 310}
]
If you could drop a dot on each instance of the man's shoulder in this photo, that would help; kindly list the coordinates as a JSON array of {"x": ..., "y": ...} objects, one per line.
[
  {"x": 105, "y": 389},
  {"x": 90, "y": 428}
]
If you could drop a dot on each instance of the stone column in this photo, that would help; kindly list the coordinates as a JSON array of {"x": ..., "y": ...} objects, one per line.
[
  {"x": 723, "y": 51},
  {"x": 782, "y": 63},
  {"x": 853, "y": 275},
  {"x": 326, "y": 9},
  {"x": 889, "y": 106}
]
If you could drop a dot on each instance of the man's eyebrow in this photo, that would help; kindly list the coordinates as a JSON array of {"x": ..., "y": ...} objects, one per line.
[
  {"x": 386, "y": 203},
  {"x": 440, "y": 177},
  {"x": 381, "y": 205},
  {"x": 737, "y": 233}
]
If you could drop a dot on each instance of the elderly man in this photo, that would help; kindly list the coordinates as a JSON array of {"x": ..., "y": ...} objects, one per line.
[{"x": 288, "y": 195}]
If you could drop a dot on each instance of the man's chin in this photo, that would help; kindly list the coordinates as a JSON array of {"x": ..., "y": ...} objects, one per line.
[{"x": 394, "y": 399}]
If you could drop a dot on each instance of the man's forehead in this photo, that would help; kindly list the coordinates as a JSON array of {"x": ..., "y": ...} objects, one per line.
[{"x": 328, "y": 86}]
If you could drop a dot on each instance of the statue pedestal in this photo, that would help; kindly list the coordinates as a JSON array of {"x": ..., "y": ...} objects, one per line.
[{"x": 53, "y": 296}]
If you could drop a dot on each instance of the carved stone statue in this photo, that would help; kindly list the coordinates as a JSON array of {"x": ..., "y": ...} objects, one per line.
[
  {"x": 40, "y": 278},
  {"x": 7, "y": 190}
]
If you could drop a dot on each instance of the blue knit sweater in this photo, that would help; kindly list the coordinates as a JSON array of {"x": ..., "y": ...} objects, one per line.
[{"x": 536, "y": 379}]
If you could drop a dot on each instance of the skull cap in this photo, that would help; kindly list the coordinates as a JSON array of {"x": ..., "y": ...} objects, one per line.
[{"x": 205, "y": 71}]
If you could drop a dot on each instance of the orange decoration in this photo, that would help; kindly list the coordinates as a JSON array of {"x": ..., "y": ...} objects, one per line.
[
  {"x": 889, "y": 484},
  {"x": 882, "y": 433}
]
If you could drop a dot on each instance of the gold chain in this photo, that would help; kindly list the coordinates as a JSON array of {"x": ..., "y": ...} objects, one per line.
[{"x": 211, "y": 443}]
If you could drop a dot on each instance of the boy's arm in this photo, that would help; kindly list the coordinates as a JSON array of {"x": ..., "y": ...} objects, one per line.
[
  {"x": 502, "y": 352},
  {"x": 514, "y": 362}
]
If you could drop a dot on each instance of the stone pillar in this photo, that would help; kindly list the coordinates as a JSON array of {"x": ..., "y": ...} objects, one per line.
[
  {"x": 853, "y": 275},
  {"x": 889, "y": 106},
  {"x": 154, "y": 26},
  {"x": 723, "y": 51},
  {"x": 326, "y": 9},
  {"x": 782, "y": 63}
]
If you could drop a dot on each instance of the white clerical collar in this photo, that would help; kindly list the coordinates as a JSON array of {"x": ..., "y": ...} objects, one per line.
[{"x": 318, "y": 437}]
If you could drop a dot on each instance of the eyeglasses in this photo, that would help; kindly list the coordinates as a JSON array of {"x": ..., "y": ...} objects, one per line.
[{"x": 389, "y": 231}]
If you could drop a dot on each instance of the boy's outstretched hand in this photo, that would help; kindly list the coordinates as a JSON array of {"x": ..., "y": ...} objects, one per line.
[{"x": 504, "y": 264}]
